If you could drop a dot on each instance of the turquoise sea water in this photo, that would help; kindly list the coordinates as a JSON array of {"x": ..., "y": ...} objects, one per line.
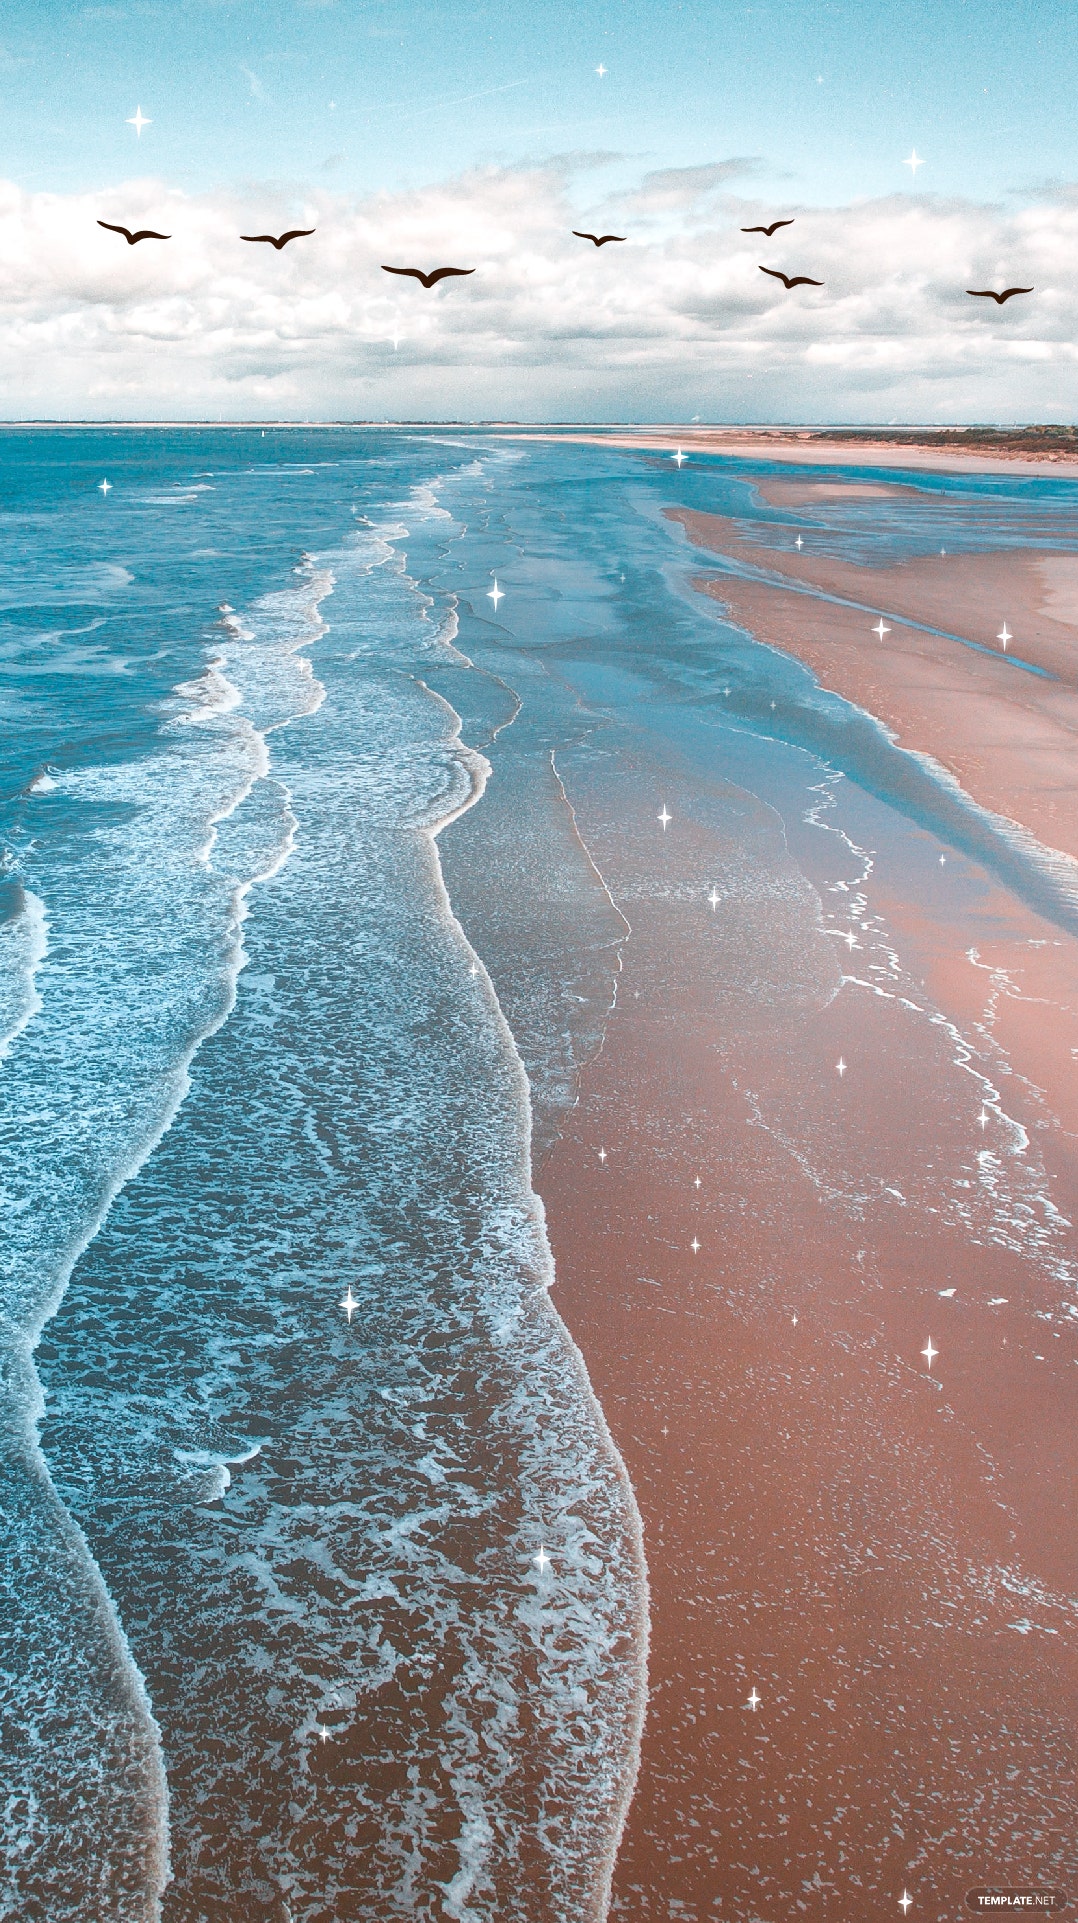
[{"x": 289, "y": 1417}]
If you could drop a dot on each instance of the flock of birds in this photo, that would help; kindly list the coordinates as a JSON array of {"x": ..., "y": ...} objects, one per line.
[{"x": 277, "y": 241}]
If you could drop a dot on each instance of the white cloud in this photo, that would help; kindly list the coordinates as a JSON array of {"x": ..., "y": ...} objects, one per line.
[{"x": 677, "y": 322}]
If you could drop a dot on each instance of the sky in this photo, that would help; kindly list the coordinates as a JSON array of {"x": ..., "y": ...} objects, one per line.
[{"x": 421, "y": 133}]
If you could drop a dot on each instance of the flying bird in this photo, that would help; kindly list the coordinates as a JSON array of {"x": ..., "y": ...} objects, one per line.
[
  {"x": 989, "y": 293},
  {"x": 767, "y": 230},
  {"x": 436, "y": 273},
  {"x": 281, "y": 240},
  {"x": 144, "y": 233},
  {"x": 791, "y": 280},
  {"x": 599, "y": 239}
]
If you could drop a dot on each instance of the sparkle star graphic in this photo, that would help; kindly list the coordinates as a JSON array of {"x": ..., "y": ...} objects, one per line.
[
  {"x": 696, "y": 1182},
  {"x": 881, "y": 628},
  {"x": 324, "y": 1735},
  {"x": 349, "y": 1303},
  {"x": 694, "y": 1246},
  {"x": 679, "y": 457},
  {"x": 104, "y": 487},
  {"x": 542, "y": 1560},
  {"x": 601, "y": 70},
  {"x": 665, "y": 817},
  {"x": 905, "y": 1902},
  {"x": 799, "y": 543},
  {"x": 840, "y": 1068},
  {"x": 138, "y": 122},
  {"x": 929, "y": 1352},
  {"x": 1004, "y": 636},
  {"x": 602, "y": 1155},
  {"x": 714, "y": 898},
  {"x": 495, "y": 594},
  {"x": 850, "y": 939},
  {"x": 983, "y": 1118},
  {"x": 913, "y": 162},
  {"x": 754, "y": 1699}
]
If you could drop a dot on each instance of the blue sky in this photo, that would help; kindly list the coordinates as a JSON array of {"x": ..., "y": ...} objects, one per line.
[
  {"x": 829, "y": 96},
  {"x": 438, "y": 131}
]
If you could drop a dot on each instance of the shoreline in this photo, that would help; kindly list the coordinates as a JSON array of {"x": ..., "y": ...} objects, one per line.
[
  {"x": 813, "y": 448},
  {"x": 828, "y": 1524},
  {"x": 846, "y": 1695},
  {"x": 992, "y": 452}
]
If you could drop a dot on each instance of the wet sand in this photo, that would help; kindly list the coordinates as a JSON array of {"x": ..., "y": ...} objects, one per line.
[
  {"x": 1009, "y": 737},
  {"x": 864, "y": 1642},
  {"x": 884, "y": 1553}
]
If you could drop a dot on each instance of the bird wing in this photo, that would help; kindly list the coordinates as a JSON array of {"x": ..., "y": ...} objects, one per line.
[
  {"x": 603, "y": 238},
  {"x": 414, "y": 273},
  {"x": 113, "y": 229},
  {"x": 581, "y": 236},
  {"x": 272, "y": 238},
  {"x": 439, "y": 273},
  {"x": 803, "y": 280},
  {"x": 775, "y": 225},
  {"x": 989, "y": 293},
  {"x": 777, "y": 274},
  {"x": 147, "y": 233},
  {"x": 295, "y": 233}
]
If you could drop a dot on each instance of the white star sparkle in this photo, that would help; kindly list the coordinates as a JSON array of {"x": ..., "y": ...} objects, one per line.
[
  {"x": 913, "y": 162},
  {"x": 104, "y": 487},
  {"x": 601, "y": 70},
  {"x": 665, "y": 817},
  {"x": 983, "y": 1118},
  {"x": 138, "y": 122},
  {"x": 881, "y": 628},
  {"x": 602, "y": 1155},
  {"x": 696, "y": 1182},
  {"x": 349, "y": 1303},
  {"x": 905, "y": 1902},
  {"x": 324, "y": 1735},
  {"x": 799, "y": 543},
  {"x": 542, "y": 1560},
  {"x": 679, "y": 457},
  {"x": 840, "y": 1068},
  {"x": 694, "y": 1246},
  {"x": 714, "y": 898},
  {"x": 929, "y": 1352},
  {"x": 495, "y": 594},
  {"x": 850, "y": 939},
  {"x": 754, "y": 1699},
  {"x": 1004, "y": 636}
]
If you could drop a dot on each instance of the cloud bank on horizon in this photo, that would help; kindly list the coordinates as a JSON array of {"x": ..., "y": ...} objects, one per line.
[{"x": 679, "y": 322}]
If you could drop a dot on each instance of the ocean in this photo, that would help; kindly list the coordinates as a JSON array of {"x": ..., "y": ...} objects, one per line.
[{"x": 324, "y": 1587}]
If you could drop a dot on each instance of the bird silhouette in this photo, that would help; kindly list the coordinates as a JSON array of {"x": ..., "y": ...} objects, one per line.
[
  {"x": 767, "y": 230},
  {"x": 791, "y": 280},
  {"x": 436, "y": 273},
  {"x": 989, "y": 293},
  {"x": 144, "y": 233},
  {"x": 281, "y": 240},
  {"x": 599, "y": 239}
]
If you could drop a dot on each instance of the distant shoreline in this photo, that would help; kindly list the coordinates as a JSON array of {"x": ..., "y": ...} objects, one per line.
[{"x": 1039, "y": 450}]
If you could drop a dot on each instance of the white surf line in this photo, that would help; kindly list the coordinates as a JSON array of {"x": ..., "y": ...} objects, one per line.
[
  {"x": 25, "y": 1340},
  {"x": 479, "y": 769},
  {"x": 28, "y": 934}
]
